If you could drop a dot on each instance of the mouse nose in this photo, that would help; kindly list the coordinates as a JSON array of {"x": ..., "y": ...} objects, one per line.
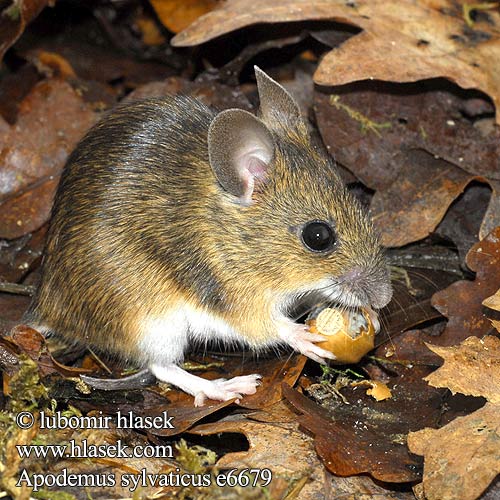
[
  {"x": 354, "y": 275},
  {"x": 369, "y": 285}
]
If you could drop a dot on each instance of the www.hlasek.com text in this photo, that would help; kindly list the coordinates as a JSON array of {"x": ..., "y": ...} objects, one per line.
[{"x": 84, "y": 449}]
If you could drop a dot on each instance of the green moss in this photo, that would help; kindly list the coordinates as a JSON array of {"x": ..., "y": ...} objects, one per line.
[
  {"x": 195, "y": 459},
  {"x": 26, "y": 388},
  {"x": 53, "y": 495},
  {"x": 13, "y": 12}
]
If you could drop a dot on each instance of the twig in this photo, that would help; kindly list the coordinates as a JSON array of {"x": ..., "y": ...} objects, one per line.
[
  {"x": 17, "y": 289},
  {"x": 366, "y": 124}
]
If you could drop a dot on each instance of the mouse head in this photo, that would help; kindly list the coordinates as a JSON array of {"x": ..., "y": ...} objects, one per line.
[{"x": 289, "y": 220}]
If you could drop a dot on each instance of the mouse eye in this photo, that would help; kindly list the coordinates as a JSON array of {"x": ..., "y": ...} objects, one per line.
[{"x": 318, "y": 236}]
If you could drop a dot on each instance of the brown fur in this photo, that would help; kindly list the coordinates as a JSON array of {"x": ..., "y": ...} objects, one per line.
[{"x": 140, "y": 226}]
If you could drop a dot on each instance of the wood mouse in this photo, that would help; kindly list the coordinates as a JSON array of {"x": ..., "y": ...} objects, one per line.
[{"x": 175, "y": 224}]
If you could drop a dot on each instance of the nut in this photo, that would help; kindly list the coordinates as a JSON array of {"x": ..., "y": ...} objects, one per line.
[{"x": 349, "y": 334}]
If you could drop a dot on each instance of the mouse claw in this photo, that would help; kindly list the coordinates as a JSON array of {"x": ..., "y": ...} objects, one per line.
[
  {"x": 224, "y": 390},
  {"x": 199, "y": 399},
  {"x": 298, "y": 336}
]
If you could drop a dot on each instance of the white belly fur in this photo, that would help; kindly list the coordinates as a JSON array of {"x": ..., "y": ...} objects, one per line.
[{"x": 165, "y": 339}]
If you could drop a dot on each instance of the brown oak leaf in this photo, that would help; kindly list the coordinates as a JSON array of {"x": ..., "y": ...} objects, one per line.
[
  {"x": 493, "y": 302},
  {"x": 51, "y": 119},
  {"x": 14, "y": 17},
  {"x": 401, "y": 41},
  {"x": 471, "y": 368},
  {"x": 462, "y": 301},
  {"x": 283, "y": 449},
  {"x": 461, "y": 458}
]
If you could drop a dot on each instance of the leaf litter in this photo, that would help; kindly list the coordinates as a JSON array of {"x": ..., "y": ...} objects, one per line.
[
  {"x": 423, "y": 150},
  {"x": 461, "y": 458}
]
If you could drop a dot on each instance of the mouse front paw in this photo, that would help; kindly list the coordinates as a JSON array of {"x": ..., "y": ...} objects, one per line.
[
  {"x": 302, "y": 340},
  {"x": 222, "y": 389}
]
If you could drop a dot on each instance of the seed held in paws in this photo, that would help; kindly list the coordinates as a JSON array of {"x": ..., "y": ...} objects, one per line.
[{"x": 349, "y": 334}]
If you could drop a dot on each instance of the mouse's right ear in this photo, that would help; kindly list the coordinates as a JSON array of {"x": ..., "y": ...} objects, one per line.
[
  {"x": 276, "y": 103},
  {"x": 240, "y": 149}
]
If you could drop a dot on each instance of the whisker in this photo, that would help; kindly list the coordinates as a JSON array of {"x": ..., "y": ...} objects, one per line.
[{"x": 423, "y": 277}]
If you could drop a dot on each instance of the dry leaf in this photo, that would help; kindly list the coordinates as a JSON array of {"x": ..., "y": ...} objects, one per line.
[
  {"x": 284, "y": 449},
  {"x": 51, "y": 119},
  {"x": 177, "y": 404},
  {"x": 464, "y": 218},
  {"x": 376, "y": 389},
  {"x": 399, "y": 225},
  {"x": 461, "y": 459},
  {"x": 368, "y": 125},
  {"x": 33, "y": 344},
  {"x": 415, "y": 277},
  {"x": 493, "y": 302},
  {"x": 19, "y": 257},
  {"x": 213, "y": 94},
  {"x": 12, "y": 308},
  {"x": 274, "y": 373},
  {"x": 235, "y": 14},
  {"x": 176, "y": 15},
  {"x": 471, "y": 368},
  {"x": 390, "y": 139},
  {"x": 96, "y": 63},
  {"x": 14, "y": 87},
  {"x": 409, "y": 41},
  {"x": 14, "y": 17},
  {"x": 411, "y": 208},
  {"x": 361, "y": 488},
  {"x": 347, "y": 448},
  {"x": 462, "y": 301},
  {"x": 180, "y": 404},
  {"x": 402, "y": 41},
  {"x": 26, "y": 212},
  {"x": 150, "y": 32}
]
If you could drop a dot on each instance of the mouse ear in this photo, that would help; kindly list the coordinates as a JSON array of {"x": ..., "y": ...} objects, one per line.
[
  {"x": 274, "y": 99},
  {"x": 240, "y": 149}
]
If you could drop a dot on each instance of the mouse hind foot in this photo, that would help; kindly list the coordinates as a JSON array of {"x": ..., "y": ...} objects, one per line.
[{"x": 202, "y": 389}]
